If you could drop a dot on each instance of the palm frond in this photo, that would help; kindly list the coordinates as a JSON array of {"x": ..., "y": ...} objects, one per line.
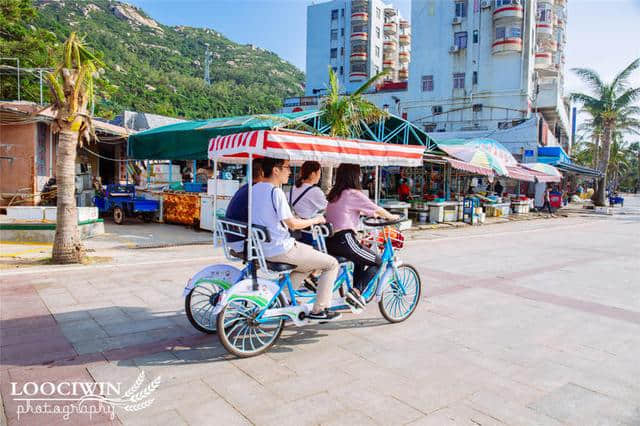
[
  {"x": 627, "y": 98},
  {"x": 620, "y": 81},
  {"x": 360, "y": 90},
  {"x": 590, "y": 77}
]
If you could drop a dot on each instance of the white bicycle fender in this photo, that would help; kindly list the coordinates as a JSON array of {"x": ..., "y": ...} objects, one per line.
[
  {"x": 244, "y": 290},
  {"x": 222, "y": 274}
]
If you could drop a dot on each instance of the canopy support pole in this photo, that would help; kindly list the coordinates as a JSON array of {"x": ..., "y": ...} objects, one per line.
[
  {"x": 249, "y": 245},
  {"x": 193, "y": 172},
  {"x": 376, "y": 186},
  {"x": 170, "y": 173},
  {"x": 215, "y": 202}
]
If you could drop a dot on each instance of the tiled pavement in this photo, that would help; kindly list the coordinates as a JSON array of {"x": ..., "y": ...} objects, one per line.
[{"x": 526, "y": 323}]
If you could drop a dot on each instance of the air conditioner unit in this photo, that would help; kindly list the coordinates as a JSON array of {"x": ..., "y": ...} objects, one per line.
[
  {"x": 485, "y": 4},
  {"x": 453, "y": 49},
  {"x": 457, "y": 20}
]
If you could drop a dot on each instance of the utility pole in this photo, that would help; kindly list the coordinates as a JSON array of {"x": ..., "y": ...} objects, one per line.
[{"x": 207, "y": 63}]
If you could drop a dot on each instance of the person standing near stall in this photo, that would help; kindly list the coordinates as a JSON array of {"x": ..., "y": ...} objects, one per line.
[
  {"x": 547, "y": 200},
  {"x": 404, "y": 192}
]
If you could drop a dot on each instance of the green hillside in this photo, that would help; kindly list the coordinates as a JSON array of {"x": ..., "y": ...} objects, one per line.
[{"x": 157, "y": 68}]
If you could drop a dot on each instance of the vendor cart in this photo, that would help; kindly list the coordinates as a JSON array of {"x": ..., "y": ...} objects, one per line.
[{"x": 121, "y": 202}]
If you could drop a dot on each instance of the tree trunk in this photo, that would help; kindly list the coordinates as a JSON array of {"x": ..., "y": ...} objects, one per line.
[
  {"x": 596, "y": 148},
  {"x": 605, "y": 152},
  {"x": 67, "y": 247},
  {"x": 327, "y": 179}
]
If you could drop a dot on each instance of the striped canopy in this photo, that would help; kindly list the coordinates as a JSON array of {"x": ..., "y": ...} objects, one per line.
[
  {"x": 299, "y": 147},
  {"x": 547, "y": 169}
]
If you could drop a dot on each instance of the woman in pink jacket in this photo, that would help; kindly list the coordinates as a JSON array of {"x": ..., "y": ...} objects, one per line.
[{"x": 346, "y": 204}]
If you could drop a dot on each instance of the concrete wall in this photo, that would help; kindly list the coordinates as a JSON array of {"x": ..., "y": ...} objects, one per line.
[{"x": 27, "y": 167}]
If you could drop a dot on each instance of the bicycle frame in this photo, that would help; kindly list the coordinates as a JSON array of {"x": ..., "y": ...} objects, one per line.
[{"x": 293, "y": 309}]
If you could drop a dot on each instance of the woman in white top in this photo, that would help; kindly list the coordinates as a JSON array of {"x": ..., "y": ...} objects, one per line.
[{"x": 305, "y": 198}]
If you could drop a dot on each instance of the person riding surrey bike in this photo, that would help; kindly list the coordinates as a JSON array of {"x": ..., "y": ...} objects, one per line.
[
  {"x": 305, "y": 197},
  {"x": 346, "y": 204},
  {"x": 239, "y": 205},
  {"x": 271, "y": 210}
]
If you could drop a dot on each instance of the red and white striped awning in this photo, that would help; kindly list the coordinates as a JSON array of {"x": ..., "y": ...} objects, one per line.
[
  {"x": 299, "y": 147},
  {"x": 519, "y": 173},
  {"x": 543, "y": 177},
  {"x": 468, "y": 167}
]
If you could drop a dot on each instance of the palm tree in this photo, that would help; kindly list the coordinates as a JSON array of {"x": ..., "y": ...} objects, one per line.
[
  {"x": 619, "y": 163},
  {"x": 612, "y": 109},
  {"x": 71, "y": 86},
  {"x": 345, "y": 114}
]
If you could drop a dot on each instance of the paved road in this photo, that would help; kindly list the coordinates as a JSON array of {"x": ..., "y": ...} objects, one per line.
[{"x": 521, "y": 323}]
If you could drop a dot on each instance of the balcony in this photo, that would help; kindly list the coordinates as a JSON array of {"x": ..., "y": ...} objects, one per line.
[
  {"x": 360, "y": 2},
  {"x": 404, "y": 57},
  {"x": 388, "y": 65},
  {"x": 390, "y": 28},
  {"x": 359, "y": 36},
  {"x": 544, "y": 29},
  {"x": 404, "y": 24},
  {"x": 506, "y": 45},
  {"x": 358, "y": 57},
  {"x": 543, "y": 60},
  {"x": 360, "y": 17},
  {"x": 390, "y": 12},
  {"x": 389, "y": 46},
  {"x": 357, "y": 76},
  {"x": 405, "y": 39},
  {"x": 513, "y": 11},
  {"x": 403, "y": 74}
]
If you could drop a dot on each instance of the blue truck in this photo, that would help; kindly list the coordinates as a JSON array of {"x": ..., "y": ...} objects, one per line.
[{"x": 121, "y": 202}]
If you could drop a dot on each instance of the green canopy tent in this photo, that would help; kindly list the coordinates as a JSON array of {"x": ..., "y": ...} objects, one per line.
[{"x": 190, "y": 140}]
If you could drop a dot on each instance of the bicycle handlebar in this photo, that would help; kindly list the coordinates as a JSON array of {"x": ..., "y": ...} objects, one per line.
[{"x": 379, "y": 222}]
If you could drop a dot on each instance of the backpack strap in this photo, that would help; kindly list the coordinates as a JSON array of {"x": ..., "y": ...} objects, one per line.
[{"x": 301, "y": 195}]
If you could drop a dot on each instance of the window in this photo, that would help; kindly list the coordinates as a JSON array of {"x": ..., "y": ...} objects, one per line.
[
  {"x": 378, "y": 32},
  {"x": 475, "y": 36},
  {"x": 460, "y": 40},
  {"x": 515, "y": 32},
  {"x": 378, "y": 12},
  {"x": 334, "y": 53},
  {"x": 431, "y": 127},
  {"x": 359, "y": 67},
  {"x": 506, "y": 2},
  {"x": 427, "y": 83},
  {"x": 342, "y": 12},
  {"x": 377, "y": 51},
  {"x": 342, "y": 51},
  {"x": 341, "y": 32},
  {"x": 436, "y": 109},
  {"x": 334, "y": 35},
  {"x": 341, "y": 70},
  {"x": 334, "y": 15},
  {"x": 500, "y": 32},
  {"x": 377, "y": 69},
  {"x": 335, "y": 69},
  {"x": 359, "y": 28},
  {"x": 458, "y": 80},
  {"x": 461, "y": 9},
  {"x": 474, "y": 79}
]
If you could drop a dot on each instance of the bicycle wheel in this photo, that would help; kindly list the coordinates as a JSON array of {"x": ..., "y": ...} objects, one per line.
[
  {"x": 199, "y": 305},
  {"x": 395, "y": 306},
  {"x": 241, "y": 335}
]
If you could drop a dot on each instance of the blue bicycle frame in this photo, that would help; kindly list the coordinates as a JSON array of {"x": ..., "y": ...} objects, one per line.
[{"x": 344, "y": 276}]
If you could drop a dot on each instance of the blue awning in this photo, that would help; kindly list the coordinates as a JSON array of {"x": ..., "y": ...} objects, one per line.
[{"x": 553, "y": 155}]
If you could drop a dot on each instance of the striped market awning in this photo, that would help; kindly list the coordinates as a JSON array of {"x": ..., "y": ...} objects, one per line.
[
  {"x": 468, "y": 167},
  {"x": 519, "y": 173},
  {"x": 299, "y": 147}
]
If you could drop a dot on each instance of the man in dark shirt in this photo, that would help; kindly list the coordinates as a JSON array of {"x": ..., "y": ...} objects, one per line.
[{"x": 238, "y": 206}]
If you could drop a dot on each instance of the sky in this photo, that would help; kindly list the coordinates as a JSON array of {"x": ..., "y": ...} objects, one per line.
[{"x": 601, "y": 34}]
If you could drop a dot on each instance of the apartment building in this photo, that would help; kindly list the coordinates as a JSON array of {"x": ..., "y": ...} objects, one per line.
[{"x": 357, "y": 39}]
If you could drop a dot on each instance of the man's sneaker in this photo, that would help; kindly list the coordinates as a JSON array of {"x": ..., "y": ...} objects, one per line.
[
  {"x": 311, "y": 283},
  {"x": 354, "y": 298},
  {"x": 324, "y": 316}
]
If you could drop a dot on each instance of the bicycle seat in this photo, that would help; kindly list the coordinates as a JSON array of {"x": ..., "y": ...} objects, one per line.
[
  {"x": 280, "y": 267},
  {"x": 341, "y": 259}
]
